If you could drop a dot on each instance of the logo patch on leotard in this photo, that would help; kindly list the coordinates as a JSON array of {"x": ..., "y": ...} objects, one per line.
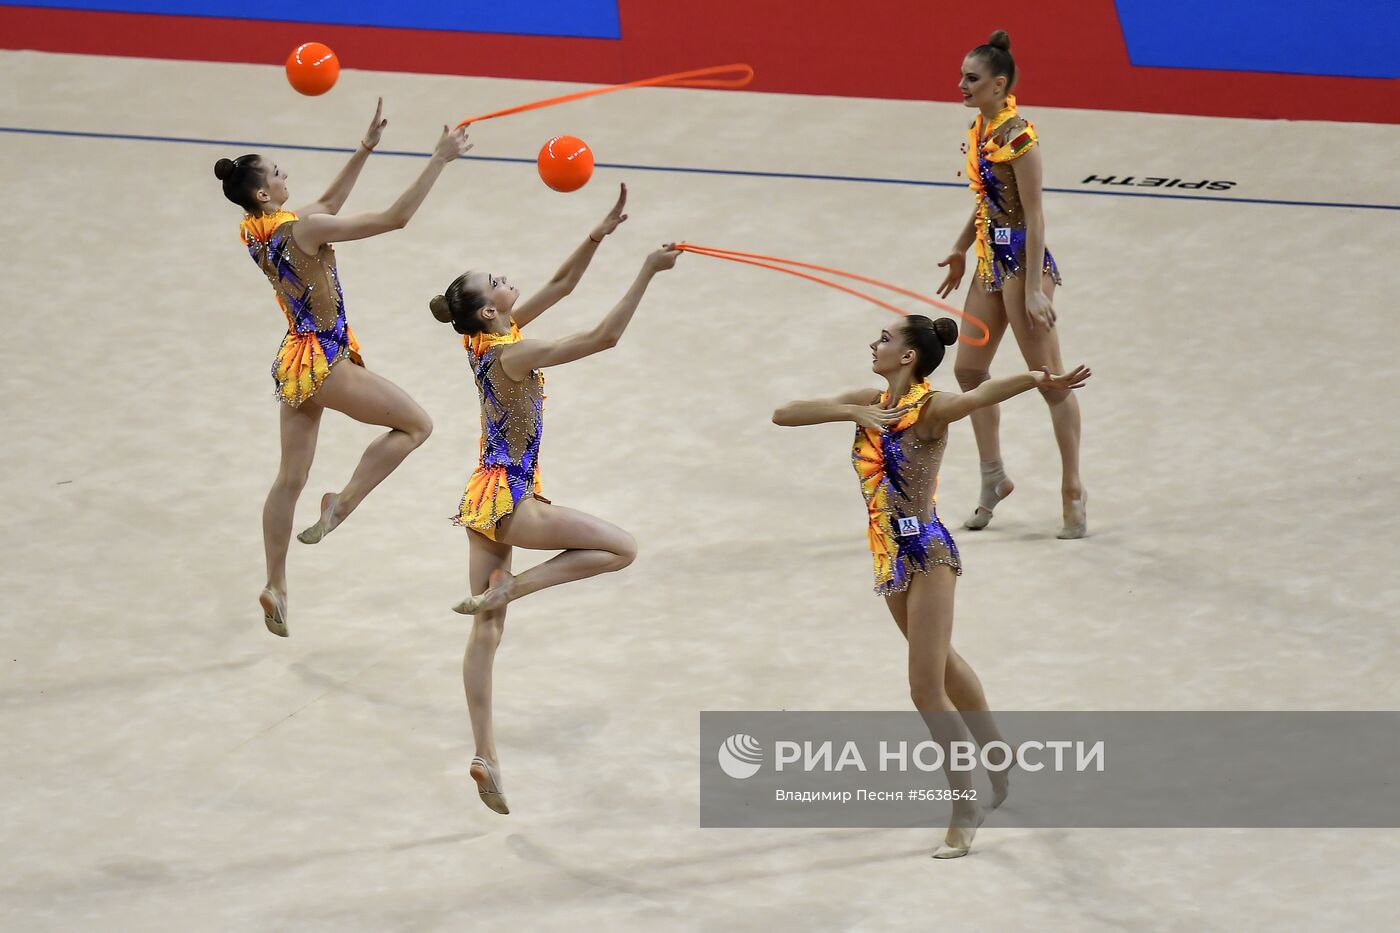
[
  {"x": 1001, "y": 236},
  {"x": 908, "y": 526}
]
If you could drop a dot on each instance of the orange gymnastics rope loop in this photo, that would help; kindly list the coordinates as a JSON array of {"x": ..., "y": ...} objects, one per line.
[
  {"x": 700, "y": 77},
  {"x": 767, "y": 262}
]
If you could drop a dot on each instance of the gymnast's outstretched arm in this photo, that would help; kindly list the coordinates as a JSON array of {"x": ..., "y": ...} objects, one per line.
[
  {"x": 316, "y": 230},
  {"x": 519, "y": 358},
  {"x": 569, "y": 274},
  {"x": 334, "y": 199},
  {"x": 943, "y": 408},
  {"x": 861, "y": 406}
]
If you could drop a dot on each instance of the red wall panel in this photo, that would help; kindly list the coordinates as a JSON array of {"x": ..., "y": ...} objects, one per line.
[{"x": 1071, "y": 52}]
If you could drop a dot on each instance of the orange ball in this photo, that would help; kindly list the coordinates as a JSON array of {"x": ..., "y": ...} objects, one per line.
[
  {"x": 312, "y": 68},
  {"x": 566, "y": 163}
]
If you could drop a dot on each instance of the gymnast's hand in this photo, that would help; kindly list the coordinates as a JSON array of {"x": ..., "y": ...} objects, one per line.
[
  {"x": 956, "y": 264},
  {"x": 663, "y": 259},
  {"x": 376, "y": 127},
  {"x": 875, "y": 417},
  {"x": 615, "y": 217},
  {"x": 1038, "y": 309},
  {"x": 452, "y": 145},
  {"x": 1071, "y": 380}
]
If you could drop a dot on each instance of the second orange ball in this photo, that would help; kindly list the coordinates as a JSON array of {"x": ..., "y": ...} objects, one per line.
[
  {"x": 565, "y": 163},
  {"x": 312, "y": 68}
]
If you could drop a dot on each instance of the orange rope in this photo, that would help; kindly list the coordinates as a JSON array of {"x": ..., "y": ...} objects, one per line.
[
  {"x": 702, "y": 251},
  {"x": 754, "y": 259},
  {"x": 700, "y": 77}
]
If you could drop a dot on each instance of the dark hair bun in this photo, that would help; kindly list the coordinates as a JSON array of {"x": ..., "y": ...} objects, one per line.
[
  {"x": 441, "y": 310},
  {"x": 1000, "y": 40},
  {"x": 223, "y": 168},
  {"x": 946, "y": 329}
]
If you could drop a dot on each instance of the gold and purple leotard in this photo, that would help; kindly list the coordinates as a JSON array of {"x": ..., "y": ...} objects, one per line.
[
  {"x": 898, "y": 474},
  {"x": 308, "y": 291},
  {"x": 512, "y": 421},
  {"x": 1001, "y": 221}
]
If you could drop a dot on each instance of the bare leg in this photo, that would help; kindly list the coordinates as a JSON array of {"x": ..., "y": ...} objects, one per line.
[
  {"x": 299, "y": 428},
  {"x": 1041, "y": 347},
  {"x": 590, "y": 546},
  {"x": 972, "y": 367},
  {"x": 487, "y": 558},
  {"x": 929, "y": 630},
  {"x": 371, "y": 399},
  {"x": 964, "y": 688}
]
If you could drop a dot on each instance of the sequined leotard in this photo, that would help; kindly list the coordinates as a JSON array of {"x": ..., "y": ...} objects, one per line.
[
  {"x": 898, "y": 474},
  {"x": 308, "y": 291},
  {"x": 1001, "y": 221},
  {"x": 512, "y": 421}
]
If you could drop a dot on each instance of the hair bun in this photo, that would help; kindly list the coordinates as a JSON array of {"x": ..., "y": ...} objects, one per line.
[
  {"x": 946, "y": 329},
  {"x": 441, "y": 309},
  {"x": 1000, "y": 40},
  {"x": 223, "y": 168}
]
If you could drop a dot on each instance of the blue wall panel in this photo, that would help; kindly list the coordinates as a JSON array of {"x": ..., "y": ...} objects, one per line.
[{"x": 1345, "y": 38}]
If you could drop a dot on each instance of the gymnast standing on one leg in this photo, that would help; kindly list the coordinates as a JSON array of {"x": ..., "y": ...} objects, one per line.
[
  {"x": 1016, "y": 275},
  {"x": 901, "y": 434},
  {"x": 293, "y": 249},
  {"x": 502, "y": 508}
]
